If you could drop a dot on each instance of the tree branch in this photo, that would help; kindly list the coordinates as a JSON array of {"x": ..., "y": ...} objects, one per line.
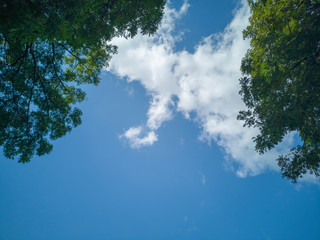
[
  {"x": 77, "y": 57},
  {"x": 21, "y": 57}
]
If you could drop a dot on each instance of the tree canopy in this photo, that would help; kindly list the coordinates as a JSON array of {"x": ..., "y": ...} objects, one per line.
[
  {"x": 281, "y": 80},
  {"x": 47, "y": 49}
]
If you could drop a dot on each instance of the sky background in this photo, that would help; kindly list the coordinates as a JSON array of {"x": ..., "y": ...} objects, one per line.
[{"x": 159, "y": 154}]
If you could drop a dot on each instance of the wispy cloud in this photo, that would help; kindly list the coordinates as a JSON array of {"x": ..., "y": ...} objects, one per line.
[
  {"x": 202, "y": 178},
  {"x": 204, "y": 82},
  {"x": 191, "y": 225}
]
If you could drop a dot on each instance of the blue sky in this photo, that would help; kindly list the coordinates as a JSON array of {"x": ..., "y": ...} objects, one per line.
[{"x": 159, "y": 155}]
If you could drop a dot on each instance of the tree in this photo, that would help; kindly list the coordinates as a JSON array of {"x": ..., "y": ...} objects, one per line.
[
  {"x": 47, "y": 49},
  {"x": 281, "y": 80}
]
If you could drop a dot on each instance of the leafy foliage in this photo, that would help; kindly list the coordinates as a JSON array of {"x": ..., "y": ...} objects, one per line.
[
  {"x": 281, "y": 80},
  {"x": 47, "y": 49}
]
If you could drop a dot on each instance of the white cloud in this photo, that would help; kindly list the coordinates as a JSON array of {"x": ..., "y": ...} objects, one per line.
[
  {"x": 204, "y": 82},
  {"x": 159, "y": 111},
  {"x": 133, "y": 135}
]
